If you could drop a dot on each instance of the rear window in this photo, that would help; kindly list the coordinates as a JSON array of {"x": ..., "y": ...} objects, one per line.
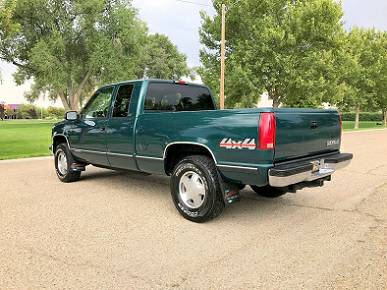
[{"x": 177, "y": 98}]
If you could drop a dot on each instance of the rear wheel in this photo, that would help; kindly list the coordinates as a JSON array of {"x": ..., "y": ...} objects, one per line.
[
  {"x": 63, "y": 162},
  {"x": 195, "y": 189},
  {"x": 268, "y": 191}
]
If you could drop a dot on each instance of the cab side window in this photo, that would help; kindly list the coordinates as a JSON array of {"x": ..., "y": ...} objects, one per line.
[
  {"x": 164, "y": 97},
  {"x": 98, "y": 106},
  {"x": 121, "y": 105}
]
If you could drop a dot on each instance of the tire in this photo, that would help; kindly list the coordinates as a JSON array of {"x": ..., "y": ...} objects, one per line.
[
  {"x": 268, "y": 191},
  {"x": 195, "y": 189},
  {"x": 62, "y": 166}
]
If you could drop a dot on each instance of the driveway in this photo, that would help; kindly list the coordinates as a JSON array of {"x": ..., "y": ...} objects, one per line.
[{"x": 121, "y": 231}]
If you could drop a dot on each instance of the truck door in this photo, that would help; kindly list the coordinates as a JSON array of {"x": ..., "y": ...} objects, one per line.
[
  {"x": 120, "y": 130},
  {"x": 88, "y": 136}
]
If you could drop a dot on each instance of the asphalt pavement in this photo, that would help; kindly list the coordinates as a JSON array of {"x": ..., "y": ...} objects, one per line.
[{"x": 115, "y": 230}]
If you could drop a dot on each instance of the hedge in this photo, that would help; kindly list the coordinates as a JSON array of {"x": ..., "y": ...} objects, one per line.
[
  {"x": 55, "y": 113},
  {"x": 364, "y": 116},
  {"x": 29, "y": 111}
]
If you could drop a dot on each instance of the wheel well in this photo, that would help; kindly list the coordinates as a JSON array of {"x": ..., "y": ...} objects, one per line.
[
  {"x": 58, "y": 140},
  {"x": 176, "y": 152}
]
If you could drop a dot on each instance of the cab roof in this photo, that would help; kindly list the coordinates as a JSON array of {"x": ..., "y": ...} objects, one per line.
[{"x": 154, "y": 81}]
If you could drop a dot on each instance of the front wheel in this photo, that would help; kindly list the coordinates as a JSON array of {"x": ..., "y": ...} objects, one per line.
[
  {"x": 268, "y": 191},
  {"x": 63, "y": 162},
  {"x": 195, "y": 189}
]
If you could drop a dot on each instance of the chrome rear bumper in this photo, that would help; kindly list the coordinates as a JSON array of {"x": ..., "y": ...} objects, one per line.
[{"x": 307, "y": 171}]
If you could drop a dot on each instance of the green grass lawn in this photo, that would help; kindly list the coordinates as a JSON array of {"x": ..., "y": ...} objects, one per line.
[
  {"x": 349, "y": 125},
  {"x": 24, "y": 138}
]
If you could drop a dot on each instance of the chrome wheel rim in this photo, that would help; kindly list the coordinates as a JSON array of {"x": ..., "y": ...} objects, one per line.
[
  {"x": 192, "y": 191},
  {"x": 62, "y": 163}
]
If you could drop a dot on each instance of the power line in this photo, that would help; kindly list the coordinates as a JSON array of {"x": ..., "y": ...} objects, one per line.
[
  {"x": 194, "y": 3},
  {"x": 207, "y": 5}
]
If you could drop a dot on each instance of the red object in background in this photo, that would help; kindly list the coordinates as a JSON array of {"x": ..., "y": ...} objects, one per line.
[
  {"x": 180, "y": 82},
  {"x": 12, "y": 107}
]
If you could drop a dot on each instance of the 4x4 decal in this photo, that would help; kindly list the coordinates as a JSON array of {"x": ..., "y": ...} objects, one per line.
[{"x": 247, "y": 143}]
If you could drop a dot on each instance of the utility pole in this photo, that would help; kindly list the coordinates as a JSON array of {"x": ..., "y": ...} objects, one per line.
[{"x": 222, "y": 56}]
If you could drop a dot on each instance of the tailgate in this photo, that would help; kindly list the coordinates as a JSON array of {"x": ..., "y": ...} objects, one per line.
[{"x": 303, "y": 133}]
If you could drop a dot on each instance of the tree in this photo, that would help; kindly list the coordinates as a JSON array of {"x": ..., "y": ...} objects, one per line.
[
  {"x": 379, "y": 72},
  {"x": 289, "y": 49},
  {"x": 2, "y": 111},
  {"x": 364, "y": 70},
  {"x": 70, "y": 47},
  {"x": 161, "y": 59}
]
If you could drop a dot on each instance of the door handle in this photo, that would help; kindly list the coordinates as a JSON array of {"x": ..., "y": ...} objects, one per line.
[{"x": 313, "y": 125}]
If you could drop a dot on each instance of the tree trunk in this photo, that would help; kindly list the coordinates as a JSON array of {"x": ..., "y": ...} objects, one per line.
[
  {"x": 275, "y": 98},
  {"x": 65, "y": 103},
  {"x": 357, "y": 118},
  {"x": 74, "y": 103},
  {"x": 74, "y": 99},
  {"x": 385, "y": 117},
  {"x": 276, "y": 102}
]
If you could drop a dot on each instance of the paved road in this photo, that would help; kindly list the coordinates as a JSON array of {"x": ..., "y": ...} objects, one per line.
[{"x": 121, "y": 231}]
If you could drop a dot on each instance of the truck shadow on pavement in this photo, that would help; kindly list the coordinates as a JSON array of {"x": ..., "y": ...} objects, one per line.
[{"x": 157, "y": 188}]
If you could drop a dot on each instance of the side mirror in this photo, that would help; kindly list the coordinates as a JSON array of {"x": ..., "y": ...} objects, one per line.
[{"x": 71, "y": 115}]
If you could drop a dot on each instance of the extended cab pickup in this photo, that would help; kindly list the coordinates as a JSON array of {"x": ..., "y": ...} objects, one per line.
[{"x": 173, "y": 128}]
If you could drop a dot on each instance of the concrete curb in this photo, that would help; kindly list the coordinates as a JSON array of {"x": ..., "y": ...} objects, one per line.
[
  {"x": 361, "y": 131},
  {"x": 25, "y": 159}
]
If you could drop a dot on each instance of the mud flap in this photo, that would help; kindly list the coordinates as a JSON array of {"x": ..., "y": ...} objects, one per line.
[
  {"x": 77, "y": 167},
  {"x": 230, "y": 191}
]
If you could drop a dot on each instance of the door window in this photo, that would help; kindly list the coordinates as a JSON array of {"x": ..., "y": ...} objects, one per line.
[
  {"x": 98, "y": 106},
  {"x": 121, "y": 105}
]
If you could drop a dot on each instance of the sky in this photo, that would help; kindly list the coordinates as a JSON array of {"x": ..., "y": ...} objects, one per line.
[{"x": 180, "y": 21}]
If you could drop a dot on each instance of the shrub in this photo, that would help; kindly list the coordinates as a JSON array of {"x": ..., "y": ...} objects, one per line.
[
  {"x": 364, "y": 116},
  {"x": 28, "y": 111},
  {"x": 55, "y": 113}
]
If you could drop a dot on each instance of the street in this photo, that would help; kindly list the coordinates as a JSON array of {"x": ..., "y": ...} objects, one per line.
[{"x": 115, "y": 230}]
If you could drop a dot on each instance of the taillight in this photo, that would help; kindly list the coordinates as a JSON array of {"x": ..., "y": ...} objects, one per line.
[{"x": 266, "y": 131}]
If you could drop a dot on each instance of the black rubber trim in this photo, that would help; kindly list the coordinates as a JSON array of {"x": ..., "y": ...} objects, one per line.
[
  {"x": 339, "y": 158},
  {"x": 290, "y": 169},
  {"x": 300, "y": 166},
  {"x": 307, "y": 158}
]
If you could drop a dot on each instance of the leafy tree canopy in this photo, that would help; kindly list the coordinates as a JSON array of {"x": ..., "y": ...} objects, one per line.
[
  {"x": 358, "y": 65},
  {"x": 69, "y": 47},
  {"x": 364, "y": 73},
  {"x": 379, "y": 72},
  {"x": 289, "y": 49},
  {"x": 162, "y": 59}
]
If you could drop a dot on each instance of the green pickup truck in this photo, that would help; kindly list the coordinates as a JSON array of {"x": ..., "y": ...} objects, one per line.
[{"x": 173, "y": 128}]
